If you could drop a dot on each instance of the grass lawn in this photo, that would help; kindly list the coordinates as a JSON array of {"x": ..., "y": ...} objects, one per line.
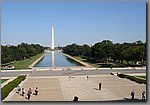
[
  {"x": 11, "y": 85},
  {"x": 24, "y": 64},
  {"x": 84, "y": 60},
  {"x": 3, "y": 80},
  {"x": 143, "y": 77}
]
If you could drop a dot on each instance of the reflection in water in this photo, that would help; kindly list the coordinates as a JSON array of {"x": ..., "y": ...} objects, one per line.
[
  {"x": 53, "y": 62},
  {"x": 56, "y": 59}
]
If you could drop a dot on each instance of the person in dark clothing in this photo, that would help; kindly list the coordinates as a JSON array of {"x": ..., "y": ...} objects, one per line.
[
  {"x": 23, "y": 92},
  {"x": 143, "y": 95},
  {"x": 132, "y": 94},
  {"x": 87, "y": 77},
  {"x": 36, "y": 91},
  {"x": 75, "y": 98},
  {"x": 100, "y": 86},
  {"x": 28, "y": 95}
]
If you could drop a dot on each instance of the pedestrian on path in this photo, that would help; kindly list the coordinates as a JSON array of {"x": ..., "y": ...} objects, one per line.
[
  {"x": 35, "y": 70},
  {"x": 87, "y": 77},
  {"x": 132, "y": 94},
  {"x": 100, "y": 86},
  {"x": 23, "y": 92},
  {"x": 36, "y": 91},
  {"x": 30, "y": 90},
  {"x": 18, "y": 89},
  {"x": 76, "y": 98},
  {"x": 143, "y": 95},
  {"x": 28, "y": 95}
]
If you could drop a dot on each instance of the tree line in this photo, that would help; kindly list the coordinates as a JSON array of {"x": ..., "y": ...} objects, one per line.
[
  {"x": 106, "y": 51},
  {"x": 19, "y": 52}
]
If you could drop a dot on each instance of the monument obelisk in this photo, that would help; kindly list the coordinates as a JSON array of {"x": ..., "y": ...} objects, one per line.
[{"x": 52, "y": 47}]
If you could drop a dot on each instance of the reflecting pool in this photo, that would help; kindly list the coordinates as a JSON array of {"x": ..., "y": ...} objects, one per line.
[{"x": 57, "y": 59}]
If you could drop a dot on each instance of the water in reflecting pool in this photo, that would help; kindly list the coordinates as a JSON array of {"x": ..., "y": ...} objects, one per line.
[{"x": 58, "y": 59}]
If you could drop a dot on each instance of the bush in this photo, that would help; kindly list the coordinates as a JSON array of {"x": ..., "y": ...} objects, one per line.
[
  {"x": 11, "y": 85},
  {"x": 132, "y": 78},
  {"x": 121, "y": 75},
  {"x": 106, "y": 65}
]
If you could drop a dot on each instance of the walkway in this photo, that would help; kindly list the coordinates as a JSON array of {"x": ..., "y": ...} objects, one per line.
[{"x": 63, "y": 88}]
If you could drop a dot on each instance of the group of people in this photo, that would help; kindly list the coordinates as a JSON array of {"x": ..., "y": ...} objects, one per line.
[
  {"x": 133, "y": 95},
  {"x": 22, "y": 90},
  {"x": 33, "y": 70},
  {"x": 67, "y": 68}
]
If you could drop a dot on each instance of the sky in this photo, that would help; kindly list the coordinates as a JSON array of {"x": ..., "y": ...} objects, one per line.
[{"x": 74, "y": 22}]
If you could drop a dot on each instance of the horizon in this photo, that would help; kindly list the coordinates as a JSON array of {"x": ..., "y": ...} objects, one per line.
[{"x": 74, "y": 22}]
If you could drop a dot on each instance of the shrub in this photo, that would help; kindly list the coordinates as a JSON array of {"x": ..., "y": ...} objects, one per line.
[
  {"x": 121, "y": 75},
  {"x": 11, "y": 85},
  {"x": 132, "y": 78}
]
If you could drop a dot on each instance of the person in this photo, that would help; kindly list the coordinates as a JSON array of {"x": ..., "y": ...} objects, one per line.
[
  {"x": 75, "y": 98},
  {"x": 132, "y": 94},
  {"x": 100, "y": 86},
  {"x": 34, "y": 69},
  {"x": 87, "y": 77},
  {"x": 36, "y": 91},
  {"x": 28, "y": 95},
  {"x": 23, "y": 92},
  {"x": 18, "y": 89},
  {"x": 69, "y": 78},
  {"x": 30, "y": 90},
  {"x": 143, "y": 95}
]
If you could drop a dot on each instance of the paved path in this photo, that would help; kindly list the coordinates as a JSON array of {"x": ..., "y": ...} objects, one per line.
[
  {"x": 71, "y": 72},
  {"x": 6, "y": 82},
  {"x": 63, "y": 88}
]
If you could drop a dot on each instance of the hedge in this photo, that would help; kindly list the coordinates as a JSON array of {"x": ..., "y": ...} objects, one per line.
[
  {"x": 138, "y": 80},
  {"x": 11, "y": 85}
]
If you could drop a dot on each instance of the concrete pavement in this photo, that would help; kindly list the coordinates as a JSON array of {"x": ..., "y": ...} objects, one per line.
[{"x": 63, "y": 88}]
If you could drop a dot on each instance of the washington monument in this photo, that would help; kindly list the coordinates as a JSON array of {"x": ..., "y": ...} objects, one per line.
[{"x": 52, "y": 47}]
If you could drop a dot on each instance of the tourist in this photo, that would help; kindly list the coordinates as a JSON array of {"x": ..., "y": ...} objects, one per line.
[
  {"x": 23, "y": 92},
  {"x": 75, "y": 98},
  {"x": 69, "y": 78},
  {"x": 100, "y": 86},
  {"x": 132, "y": 94},
  {"x": 35, "y": 70},
  {"x": 36, "y": 91},
  {"x": 87, "y": 77},
  {"x": 143, "y": 95},
  {"x": 28, "y": 95},
  {"x": 18, "y": 89},
  {"x": 30, "y": 90}
]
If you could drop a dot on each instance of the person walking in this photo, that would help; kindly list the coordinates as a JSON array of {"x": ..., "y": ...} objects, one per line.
[
  {"x": 30, "y": 90},
  {"x": 100, "y": 86},
  {"x": 23, "y": 92},
  {"x": 132, "y": 94},
  {"x": 28, "y": 95},
  {"x": 143, "y": 95}
]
